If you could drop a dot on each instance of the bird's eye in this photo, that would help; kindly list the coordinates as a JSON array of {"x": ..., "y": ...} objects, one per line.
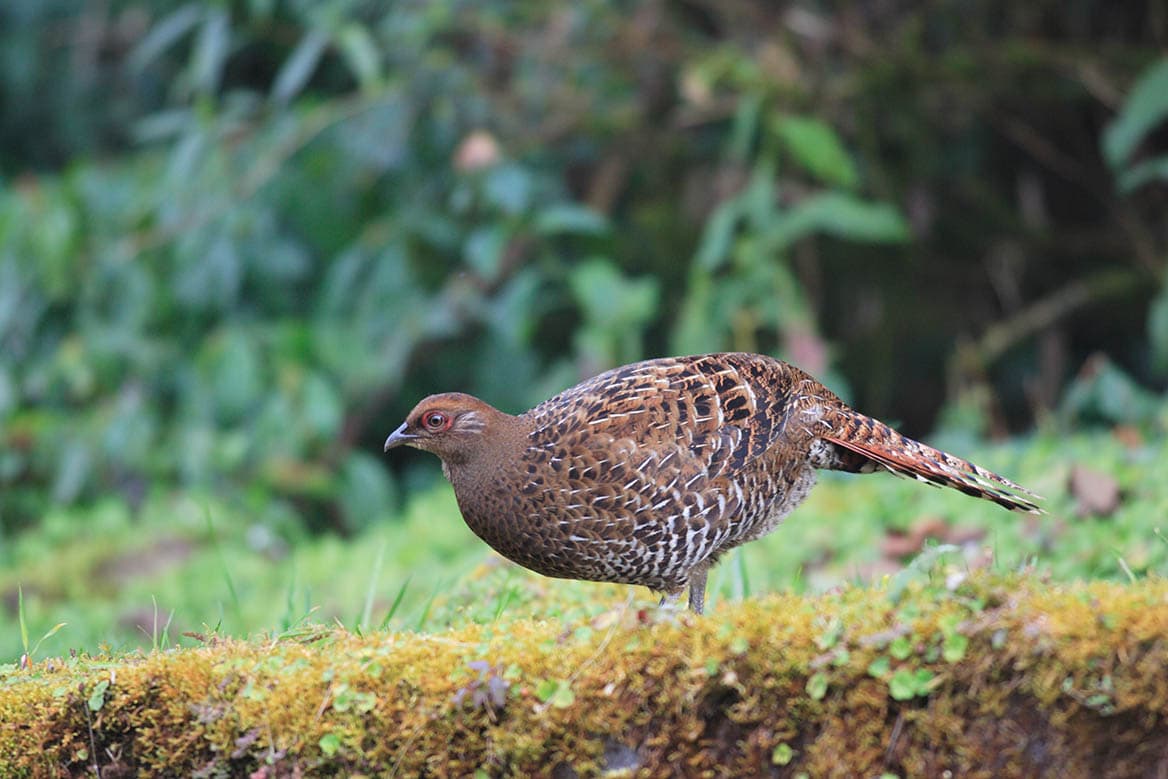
[{"x": 434, "y": 420}]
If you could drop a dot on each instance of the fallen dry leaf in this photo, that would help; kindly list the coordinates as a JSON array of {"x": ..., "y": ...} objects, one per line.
[
  {"x": 1128, "y": 435},
  {"x": 1096, "y": 493},
  {"x": 898, "y": 544}
]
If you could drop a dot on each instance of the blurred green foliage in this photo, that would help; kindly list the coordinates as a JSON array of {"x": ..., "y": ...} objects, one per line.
[
  {"x": 239, "y": 240},
  {"x": 189, "y": 564}
]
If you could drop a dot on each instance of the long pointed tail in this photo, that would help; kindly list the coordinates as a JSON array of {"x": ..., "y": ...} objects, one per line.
[{"x": 878, "y": 444}]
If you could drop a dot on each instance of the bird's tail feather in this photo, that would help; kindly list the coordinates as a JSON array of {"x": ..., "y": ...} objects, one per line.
[{"x": 903, "y": 456}]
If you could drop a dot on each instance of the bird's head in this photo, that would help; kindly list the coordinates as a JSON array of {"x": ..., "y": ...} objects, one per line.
[{"x": 454, "y": 426}]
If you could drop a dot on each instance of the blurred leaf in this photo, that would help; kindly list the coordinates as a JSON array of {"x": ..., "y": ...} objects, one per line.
[
  {"x": 840, "y": 215},
  {"x": 1146, "y": 172},
  {"x": 116, "y": 302},
  {"x": 694, "y": 332},
  {"x": 232, "y": 365},
  {"x": 361, "y": 55},
  {"x": 380, "y": 135},
  {"x": 8, "y": 395},
  {"x": 321, "y": 410},
  {"x": 880, "y": 667},
  {"x": 366, "y": 491},
  {"x": 1102, "y": 392},
  {"x": 73, "y": 470},
  {"x": 816, "y": 147},
  {"x": 282, "y": 260},
  {"x": 515, "y": 311},
  {"x": 365, "y": 287},
  {"x": 903, "y": 685},
  {"x": 570, "y": 219},
  {"x": 782, "y": 754},
  {"x": 165, "y": 34},
  {"x": 97, "y": 697},
  {"x": 329, "y": 743},
  {"x": 213, "y": 277},
  {"x": 211, "y": 49},
  {"x": 817, "y": 686},
  {"x": 54, "y": 239},
  {"x": 616, "y": 310},
  {"x": 609, "y": 297},
  {"x": 901, "y": 647},
  {"x": 130, "y": 431},
  {"x": 186, "y": 156},
  {"x": 1145, "y": 108},
  {"x": 744, "y": 129},
  {"x": 759, "y": 200},
  {"x": 162, "y": 125},
  {"x": 299, "y": 67},
  {"x": 954, "y": 647},
  {"x": 1158, "y": 330},
  {"x": 261, "y": 9},
  {"x": 484, "y": 249},
  {"x": 508, "y": 187},
  {"x": 555, "y": 692},
  {"x": 714, "y": 248},
  {"x": 845, "y": 216}
]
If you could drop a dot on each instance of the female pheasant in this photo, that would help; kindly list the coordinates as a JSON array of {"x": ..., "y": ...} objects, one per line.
[{"x": 648, "y": 473}]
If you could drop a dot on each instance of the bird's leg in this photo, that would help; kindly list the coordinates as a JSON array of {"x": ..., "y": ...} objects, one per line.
[{"x": 697, "y": 589}]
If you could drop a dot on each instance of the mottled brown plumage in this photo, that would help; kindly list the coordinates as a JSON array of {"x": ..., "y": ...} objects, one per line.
[{"x": 647, "y": 473}]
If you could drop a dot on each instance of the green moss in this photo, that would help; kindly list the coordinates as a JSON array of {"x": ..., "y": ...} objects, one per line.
[{"x": 1057, "y": 679}]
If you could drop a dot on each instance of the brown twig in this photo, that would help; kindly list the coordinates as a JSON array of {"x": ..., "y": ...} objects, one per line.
[{"x": 973, "y": 358}]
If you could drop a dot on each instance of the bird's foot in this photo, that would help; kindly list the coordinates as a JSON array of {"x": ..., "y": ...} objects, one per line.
[{"x": 670, "y": 608}]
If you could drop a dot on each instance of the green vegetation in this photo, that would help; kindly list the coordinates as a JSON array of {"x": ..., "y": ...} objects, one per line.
[
  {"x": 1042, "y": 679},
  {"x": 257, "y": 234},
  {"x": 238, "y": 241},
  {"x": 182, "y": 565}
]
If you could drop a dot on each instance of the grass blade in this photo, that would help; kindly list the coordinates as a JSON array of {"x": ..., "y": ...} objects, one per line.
[
  {"x": 1131, "y": 577},
  {"x": 20, "y": 615},
  {"x": 371, "y": 588},
  {"x": 743, "y": 578},
  {"x": 426, "y": 609},
  {"x": 51, "y": 632},
  {"x": 505, "y": 598},
  {"x": 393, "y": 607},
  {"x": 238, "y": 611},
  {"x": 289, "y": 599}
]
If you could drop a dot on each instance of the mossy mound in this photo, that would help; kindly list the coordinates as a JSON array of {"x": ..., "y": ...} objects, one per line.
[{"x": 989, "y": 676}]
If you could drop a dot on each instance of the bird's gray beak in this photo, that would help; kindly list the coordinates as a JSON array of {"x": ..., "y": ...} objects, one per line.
[{"x": 398, "y": 437}]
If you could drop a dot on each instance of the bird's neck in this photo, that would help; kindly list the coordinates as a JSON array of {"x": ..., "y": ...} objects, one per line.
[{"x": 477, "y": 466}]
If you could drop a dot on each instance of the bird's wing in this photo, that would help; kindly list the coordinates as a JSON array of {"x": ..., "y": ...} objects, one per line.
[{"x": 668, "y": 424}]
